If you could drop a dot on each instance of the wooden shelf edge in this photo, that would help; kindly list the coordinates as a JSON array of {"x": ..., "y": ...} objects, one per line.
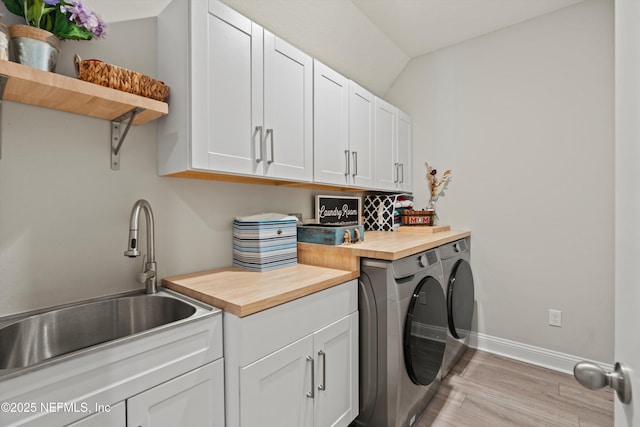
[
  {"x": 58, "y": 92},
  {"x": 217, "y": 176}
]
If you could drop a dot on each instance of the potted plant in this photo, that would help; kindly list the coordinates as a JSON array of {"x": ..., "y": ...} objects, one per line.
[{"x": 37, "y": 43}]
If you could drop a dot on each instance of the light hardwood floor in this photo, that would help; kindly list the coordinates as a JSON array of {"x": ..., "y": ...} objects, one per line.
[{"x": 489, "y": 390}]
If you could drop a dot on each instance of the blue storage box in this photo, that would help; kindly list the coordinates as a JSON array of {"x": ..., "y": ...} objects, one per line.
[{"x": 330, "y": 234}]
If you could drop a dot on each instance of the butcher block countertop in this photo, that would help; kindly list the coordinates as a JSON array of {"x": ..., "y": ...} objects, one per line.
[
  {"x": 243, "y": 292},
  {"x": 390, "y": 245},
  {"x": 385, "y": 245}
]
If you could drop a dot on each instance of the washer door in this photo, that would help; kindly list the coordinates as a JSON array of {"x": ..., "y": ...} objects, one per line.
[
  {"x": 460, "y": 299},
  {"x": 425, "y": 332}
]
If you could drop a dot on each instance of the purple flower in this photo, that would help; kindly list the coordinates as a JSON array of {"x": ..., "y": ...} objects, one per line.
[
  {"x": 84, "y": 17},
  {"x": 52, "y": 2}
]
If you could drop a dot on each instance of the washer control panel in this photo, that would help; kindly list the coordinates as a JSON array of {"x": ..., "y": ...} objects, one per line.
[
  {"x": 416, "y": 263},
  {"x": 453, "y": 249}
]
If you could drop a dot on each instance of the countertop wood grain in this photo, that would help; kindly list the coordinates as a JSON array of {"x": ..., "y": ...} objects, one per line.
[
  {"x": 390, "y": 245},
  {"x": 243, "y": 292}
]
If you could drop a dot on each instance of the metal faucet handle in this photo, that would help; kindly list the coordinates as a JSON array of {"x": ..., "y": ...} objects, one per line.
[
  {"x": 145, "y": 274},
  {"x": 142, "y": 277}
]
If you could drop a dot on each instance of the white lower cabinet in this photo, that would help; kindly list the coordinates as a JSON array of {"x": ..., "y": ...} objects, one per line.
[
  {"x": 336, "y": 350},
  {"x": 295, "y": 365},
  {"x": 170, "y": 377},
  {"x": 274, "y": 390},
  {"x": 112, "y": 416},
  {"x": 193, "y": 399}
]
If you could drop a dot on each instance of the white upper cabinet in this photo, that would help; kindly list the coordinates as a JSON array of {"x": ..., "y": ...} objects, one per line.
[
  {"x": 386, "y": 164},
  {"x": 404, "y": 152},
  {"x": 361, "y": 135},
  {"x": 393, "y": 148},
  {"x": 331, "y": 154},
  {"x": 343, "y": 130},
  {"x": 243, "y": 97},
  {"x": 233, "y": 97},
  {"x": 247, "y": 103},
  {"x": 288, "y": 111}
]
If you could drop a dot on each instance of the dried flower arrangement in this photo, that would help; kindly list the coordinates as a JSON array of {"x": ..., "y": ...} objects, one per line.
[{"x": 437, "y": 186}]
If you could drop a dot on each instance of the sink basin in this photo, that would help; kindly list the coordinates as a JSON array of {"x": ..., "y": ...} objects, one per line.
[{"x": 37, "y": 338}]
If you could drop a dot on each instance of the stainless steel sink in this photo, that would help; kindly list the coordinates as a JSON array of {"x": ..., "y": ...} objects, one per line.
[{"x": 34, "y": 339}]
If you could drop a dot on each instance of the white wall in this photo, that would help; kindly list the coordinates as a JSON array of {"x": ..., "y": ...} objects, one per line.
[
  {"x": 524, "y": 117},
  {"x": 64, "y": 214}
]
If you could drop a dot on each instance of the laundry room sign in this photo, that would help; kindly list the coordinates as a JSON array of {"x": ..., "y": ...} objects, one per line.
[{"x": 338, "y": 210}]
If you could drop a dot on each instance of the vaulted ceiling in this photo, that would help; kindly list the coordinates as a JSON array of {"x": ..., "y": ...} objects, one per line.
[{"x": 369, "y": 41}]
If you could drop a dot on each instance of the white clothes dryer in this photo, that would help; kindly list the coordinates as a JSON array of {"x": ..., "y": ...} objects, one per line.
[
  {"x": 403, "y": 323},
  {"x": 460, "y": 291}
]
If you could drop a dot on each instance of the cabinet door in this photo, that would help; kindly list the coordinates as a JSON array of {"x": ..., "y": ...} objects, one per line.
[
  {"x": 361, "y": 135},
  {"x": 405, "y": 157},
  {"x": 193, "y": 399},
  {"x": 288, "y": 103},
  {"x": 386, "y": 162},
  {"x": 331, "y": 154},
  {"x": 232, "y": 110},
  {"x": 336, "y": 352},
  {"x": 112, "y": 416},
  {"x": 275, "y": 388}
]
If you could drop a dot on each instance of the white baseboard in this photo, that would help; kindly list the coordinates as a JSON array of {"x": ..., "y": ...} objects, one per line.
[{"x": 555, "y": 360}]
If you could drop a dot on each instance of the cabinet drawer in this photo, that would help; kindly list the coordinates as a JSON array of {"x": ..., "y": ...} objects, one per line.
[{"x": 252, "y": 337}]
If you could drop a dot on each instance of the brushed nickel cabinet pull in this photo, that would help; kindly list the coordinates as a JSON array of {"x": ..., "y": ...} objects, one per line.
[
  {"x": 355, "y": 163},
  {"x": 259, "y": 131},
  {"x": 323, "y": 385},
  {"x": 311, "y": 393},
  {"x": 397, "y": 172},
  {"x": 270, "y": 136},
  {"x": 346, "y": 163}
]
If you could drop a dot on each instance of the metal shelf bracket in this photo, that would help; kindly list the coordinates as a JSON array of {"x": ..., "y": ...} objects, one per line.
[{"x": 118, "y": 135}]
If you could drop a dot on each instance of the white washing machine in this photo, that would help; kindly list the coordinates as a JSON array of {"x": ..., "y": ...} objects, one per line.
[
  {"x": 458, "y": 279},
  {"x": 403, "y": 324}
]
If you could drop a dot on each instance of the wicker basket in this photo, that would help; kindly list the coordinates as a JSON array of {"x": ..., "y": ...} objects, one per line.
[
  {"x": 425, "y": 217},
  {"x": 103, "y": 74}
]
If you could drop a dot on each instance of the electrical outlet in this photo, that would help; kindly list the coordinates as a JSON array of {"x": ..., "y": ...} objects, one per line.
[{"x": 555, "y": 318}]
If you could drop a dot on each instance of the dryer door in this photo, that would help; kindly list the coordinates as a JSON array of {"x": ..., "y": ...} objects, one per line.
[
  {"x": 460, "y": 299},
  {"x": 425, "y": 332}
]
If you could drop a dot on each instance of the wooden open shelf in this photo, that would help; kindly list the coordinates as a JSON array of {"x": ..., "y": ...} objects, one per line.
[{"x": 50, "y": 90}]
